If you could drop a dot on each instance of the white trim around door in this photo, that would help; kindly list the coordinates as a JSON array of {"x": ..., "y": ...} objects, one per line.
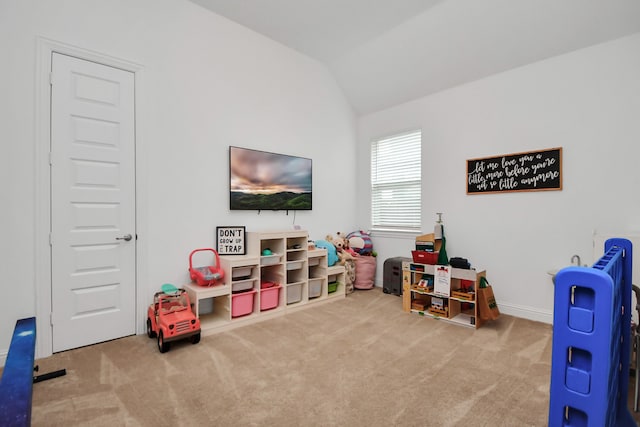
[{"x": 42, "y": 258}]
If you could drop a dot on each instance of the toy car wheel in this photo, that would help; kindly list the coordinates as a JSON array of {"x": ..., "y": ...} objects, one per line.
[
  {"x": 162, "y": 345},
  {"x": 195, "y": 339},
  {"x": 150, "y": 332}
]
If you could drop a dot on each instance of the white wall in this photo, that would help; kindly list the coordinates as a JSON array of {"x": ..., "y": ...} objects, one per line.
[
  {"x": 587, "y": 102},
  {"x": 207, "y": 83}
]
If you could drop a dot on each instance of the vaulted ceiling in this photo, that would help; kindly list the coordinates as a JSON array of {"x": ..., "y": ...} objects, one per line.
[{"x": 383, "y": 53}]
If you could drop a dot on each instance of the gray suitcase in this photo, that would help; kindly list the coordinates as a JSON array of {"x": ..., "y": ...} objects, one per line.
[{"x": 392, "y": 275}]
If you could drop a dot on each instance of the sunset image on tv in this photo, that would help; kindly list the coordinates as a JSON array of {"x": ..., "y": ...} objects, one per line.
[{"x": 268, "y": 181}]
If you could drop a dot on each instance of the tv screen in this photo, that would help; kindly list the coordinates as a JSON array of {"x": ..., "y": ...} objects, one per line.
[{"x": 260, "y": 180}]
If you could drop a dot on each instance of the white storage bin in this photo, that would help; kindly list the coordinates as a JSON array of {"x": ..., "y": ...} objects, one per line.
[
  {"x": 315, "y": 288},
  {"x": 239, "y": 272},
  {"x": 270, "y": 259},
  {"x": 242, "y": 285},
  {"x": 314, "y": 261},
  {"x": 294, "y": 265},
  {"x": 294, "y": 293}
]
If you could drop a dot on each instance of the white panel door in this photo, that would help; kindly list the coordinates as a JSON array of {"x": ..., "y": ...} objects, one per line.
[{"x": 93, "y": 244}]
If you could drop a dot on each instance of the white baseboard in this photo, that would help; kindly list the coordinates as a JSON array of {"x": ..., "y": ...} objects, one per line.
[{"x": 525, "y": 312}]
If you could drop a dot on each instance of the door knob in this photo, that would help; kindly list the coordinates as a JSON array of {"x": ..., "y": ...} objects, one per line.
[{"x": 126, "y": 237}]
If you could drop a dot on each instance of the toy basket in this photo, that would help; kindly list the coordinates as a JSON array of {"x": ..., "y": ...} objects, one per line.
[{"x": 208, "y": 275}]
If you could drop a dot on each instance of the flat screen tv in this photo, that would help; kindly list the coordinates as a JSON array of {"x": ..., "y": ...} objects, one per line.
[{"x": 259, "y": 180}]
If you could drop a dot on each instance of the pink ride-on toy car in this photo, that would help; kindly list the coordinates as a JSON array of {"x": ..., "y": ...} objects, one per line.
[
  {"x": 170, "y": 318},
  {"x": 208, "y": 275}
]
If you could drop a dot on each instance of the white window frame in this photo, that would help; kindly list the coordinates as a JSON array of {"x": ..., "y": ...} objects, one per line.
[{"x": 396, "y": 183}]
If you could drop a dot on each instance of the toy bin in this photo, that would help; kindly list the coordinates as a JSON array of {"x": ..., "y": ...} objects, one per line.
[
  {"x": 332, "y": 287},
  {"x": 240, "y": 273},
  {"x": 242, "y": 285},
  {"x": 294, "y": 293},
  {"x": 270, "y": 259},
  {"x": 208, "y": 275},
  {"x": 423, "y": 257},
  {"x": 269, "y": 295},
  {"x": 294, "y": 265},
  {"x": 315, "y": 288},
  {"x": 242, "y": 303}
]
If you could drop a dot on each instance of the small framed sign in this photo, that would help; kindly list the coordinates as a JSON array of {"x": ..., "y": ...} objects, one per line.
[
  {"x": 230, "y": 240},
  {"x": 531, "y": 171},
  {"x": 442, "y": 280}
]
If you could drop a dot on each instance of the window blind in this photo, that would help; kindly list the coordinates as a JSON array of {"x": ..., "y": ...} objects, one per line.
[{"x": 396, "y": 182}]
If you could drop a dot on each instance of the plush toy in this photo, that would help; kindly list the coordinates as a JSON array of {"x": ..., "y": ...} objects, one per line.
[
  {"x": 332, "y": 255},
  {"x": 345, "y": 245},
  {"x": 361, "y": 242},
  {"x": 339, "y": 243}
]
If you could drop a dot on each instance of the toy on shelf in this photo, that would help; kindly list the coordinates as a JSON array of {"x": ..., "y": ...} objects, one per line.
[
  {"x": 360, "y": 242},
  {"x": 208, "y": 275},
  {"x": 170, "y": 318},
  {"x": 341, "y": 243}
]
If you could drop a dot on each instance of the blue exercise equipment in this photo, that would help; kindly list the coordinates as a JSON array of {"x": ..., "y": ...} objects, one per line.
[
  {"x": 16, "y": 385},
  {"x": 592, "y": 342}
]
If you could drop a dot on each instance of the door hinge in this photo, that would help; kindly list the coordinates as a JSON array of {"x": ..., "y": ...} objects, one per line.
[
  {"x": 50, "y": 159},
  {"x": 51, "y": 318},
  {"x": 51, "y": 78},
  {"x": 50, "y": 239}
]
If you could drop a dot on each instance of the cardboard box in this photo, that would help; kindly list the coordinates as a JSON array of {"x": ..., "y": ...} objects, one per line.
[{"x": 428, "y": 240}]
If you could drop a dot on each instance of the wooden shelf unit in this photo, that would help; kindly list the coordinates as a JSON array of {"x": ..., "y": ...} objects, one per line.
[
  {"x": 458, "y": 308},
  {"x": 292, "y": 265},
  {"x": 336, "y": 277},
  {"x": 317, "y": 275}
]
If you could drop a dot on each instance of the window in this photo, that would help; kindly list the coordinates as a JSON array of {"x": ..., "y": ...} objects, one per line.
[{"x": 396, "y": 183}]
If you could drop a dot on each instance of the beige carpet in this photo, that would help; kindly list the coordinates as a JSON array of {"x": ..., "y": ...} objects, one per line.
[{"x": 361, "y": 361}]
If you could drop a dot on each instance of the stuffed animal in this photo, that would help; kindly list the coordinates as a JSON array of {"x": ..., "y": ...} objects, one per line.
[
  {"x": 332, "y": 255},
  {"x": 339, "y": 243},
  {"x": 345, "y": 245},
  {"x": 361, "y": 242}
]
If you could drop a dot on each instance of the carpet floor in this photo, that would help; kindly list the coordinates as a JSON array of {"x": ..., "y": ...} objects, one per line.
[{"x": 360, "y": 361}]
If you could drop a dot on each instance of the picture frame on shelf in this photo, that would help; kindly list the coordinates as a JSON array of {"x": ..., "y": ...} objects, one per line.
[{"x": 230, "y": 240}]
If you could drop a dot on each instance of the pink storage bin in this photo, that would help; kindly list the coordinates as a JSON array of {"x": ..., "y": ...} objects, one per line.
[
  {"x": 242, "y": 303},
  {"x": 269, "y": 297}
]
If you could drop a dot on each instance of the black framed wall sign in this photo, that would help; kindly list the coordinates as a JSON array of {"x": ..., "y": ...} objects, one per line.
[
  {"x": 528, "y": 171},
  {"x": 231, "y": 240}
]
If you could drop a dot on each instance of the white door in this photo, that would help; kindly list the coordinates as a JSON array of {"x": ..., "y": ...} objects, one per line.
[{"x": 93, "y": 243}]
